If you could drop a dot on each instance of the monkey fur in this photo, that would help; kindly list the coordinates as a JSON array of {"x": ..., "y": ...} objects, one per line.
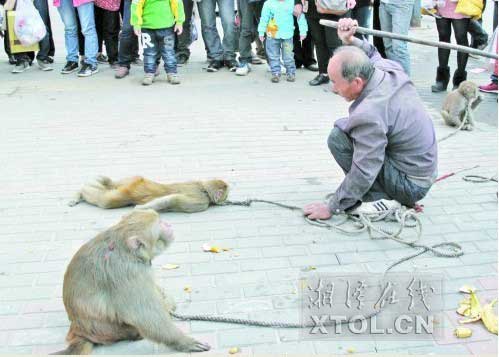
[
  {"x": 459, "y": 105},
  {"x": 109, "y": 291},
  {"x": 193, "y": 196}
]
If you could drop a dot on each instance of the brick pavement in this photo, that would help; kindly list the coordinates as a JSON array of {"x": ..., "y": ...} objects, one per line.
[{"x": 268, "y": 141}]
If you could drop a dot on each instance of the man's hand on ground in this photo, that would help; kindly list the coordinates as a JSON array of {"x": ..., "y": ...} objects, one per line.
[
  {"x": 346, "y": 30},
  {"x": 317, "y": 210}
]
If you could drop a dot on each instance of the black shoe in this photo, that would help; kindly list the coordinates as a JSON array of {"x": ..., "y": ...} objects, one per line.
[
  {"x": 459, "y": 76},
  {"x": 87, "y": 70},
  {"x": 231, "y": 65},
  {"x": 320, "y": 79},
  {"x": 182, "y": 59},
  {"x": 312, "y": 67},
  {"x": 70, "y": 67},
  {"x": 442, "y": 80},
  {"x": 214, "y": 66},
  {"x": 101, "y": 58},
  {"x": 12, "y": 59}
]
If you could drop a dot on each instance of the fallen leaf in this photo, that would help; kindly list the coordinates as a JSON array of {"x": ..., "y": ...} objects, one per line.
[
  {"x": 308, "y": 268},
  {"x": 350, "y": 350},
  {"x": 462, "y": 332},
  {"x": 234, "y": 350},
  {"x": 187, "y": 289},
  {"x": 489, "y": 318},
  {"x": 170, "y": 266},
  {"x": 213, "y": 248}
]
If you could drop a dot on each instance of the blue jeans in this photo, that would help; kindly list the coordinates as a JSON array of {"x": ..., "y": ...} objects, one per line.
[
  {"x": 217, "y": 50},
  {"x": 47, "y": 43},
  {"x": 391, "y": 183},
  {"x": 159, "y": 42},
  {"x": 127, "y": 37},
  {"x": 275, "y": 48},
  {"x": 396, "y": 17},
  {"x": 86, "y": 16}
]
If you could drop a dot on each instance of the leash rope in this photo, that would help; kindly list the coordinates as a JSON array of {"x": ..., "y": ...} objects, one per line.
[{"x": 406, "y": 218}]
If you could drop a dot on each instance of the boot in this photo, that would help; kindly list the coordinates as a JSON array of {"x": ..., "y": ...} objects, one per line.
[
  {"x": 442, "y": 80},
  {"x": 459, "y": 76}
]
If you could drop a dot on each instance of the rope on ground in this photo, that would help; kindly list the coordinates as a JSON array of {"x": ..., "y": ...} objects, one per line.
[
  {"x": 455, "y": 131},
  {"x": 479, "y": 179},
  {"x": 406, "y": 218}
]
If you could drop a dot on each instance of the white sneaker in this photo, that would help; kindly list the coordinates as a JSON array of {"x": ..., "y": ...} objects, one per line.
[
  {"x": 21, "y": 66},
  {"x": 173, "y": 78},
  {"x": 148, "y": 79},
  {"x": 376, "y": 207},
  {"x": 243, "y": 69}
]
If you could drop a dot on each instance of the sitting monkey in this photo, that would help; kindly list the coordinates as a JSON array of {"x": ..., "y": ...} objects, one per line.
[
  {"x": 194, "y": 196},
  {"x": 109, "y": 291},
  {"x": 459, "y": 105}
]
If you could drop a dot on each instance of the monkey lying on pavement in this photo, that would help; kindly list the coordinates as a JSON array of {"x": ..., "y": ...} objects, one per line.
[
  {"x": 109, "y": 292},
  {"x": 193, "y": 196},
  {"x": 459, "y": 105}
]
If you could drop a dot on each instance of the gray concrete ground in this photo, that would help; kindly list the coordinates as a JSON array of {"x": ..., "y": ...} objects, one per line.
[{"x": 268, "y": 141}]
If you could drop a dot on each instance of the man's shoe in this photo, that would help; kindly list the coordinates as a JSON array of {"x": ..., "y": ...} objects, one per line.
[
  {"x": 101, "y": 58},
  {"x": 121, "y": 72},
  {"x": 256, "y": 60},
  {"x": 214, "y": 66},
  {"x": 137, "y": 62},
  {"x": 275, "y": 78},
  {"x": 44, "y": 65},
  {"x": 243, "y": 69},
  {"x": 182, "y": 59},
  {"x": 173, "y": 78},
  {"x": 290, "y": 77},
  {"x": 442, "y": 80},
  {"x": 148, "y": 79},
  {"x": 12, "y": 59},
  {"x": 231, "y": 65},
  {"x": 320, "y": 79},
  {"x": 87, "y": 70},
  {"x": 312, "y": 67},
  {"x": 376, "y": 207},
  {"x": 70, "y": 67},
  {"x": 489, "y": 88},
  {"x": 21, "y": 66}
]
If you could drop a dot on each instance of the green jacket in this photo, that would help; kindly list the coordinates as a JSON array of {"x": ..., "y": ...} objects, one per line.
[{"x": 157, "y": 14}]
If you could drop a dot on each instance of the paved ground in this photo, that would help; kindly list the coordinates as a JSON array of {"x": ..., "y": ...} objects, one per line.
[{"x": 268, "y": 141}]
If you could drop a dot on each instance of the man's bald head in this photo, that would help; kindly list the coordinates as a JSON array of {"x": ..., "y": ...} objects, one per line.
[{"x": 349, "y": 69}]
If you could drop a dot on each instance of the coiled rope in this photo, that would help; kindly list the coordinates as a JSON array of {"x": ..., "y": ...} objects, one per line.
[{"x": 406, "y": 218}]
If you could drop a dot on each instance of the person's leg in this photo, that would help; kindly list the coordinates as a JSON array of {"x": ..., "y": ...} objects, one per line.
[
  {"x": 332, "y": 40},
  {"x": 287, "y": 57},
  {"x": 247, "y": 31},
  {"x": 226, "y": 10},
  {"x": 166, "y": 40},
  {"x": 68, "y": 17},
  {"x": 443, "y": 71},
  {"x": 297, "y": 46},
  {"x": 479, "y": 36},
  {"x": 43, "y": 9},
  {"x": 385, "y": 21},
  {"x": 111, "y": 26},
  {"x": 151, "y": 50},
  {"x": 341, "y": 147},
  {"x": 126, "y": 39},
  {"x": 494, "y": 25},
  {"x": 273, "y": 47},
  {"x": 397, "y": 186},
  {"x": 87, "y": 20},
  {"x": 401, "y": 13},
  {"x": 184, "y": 40},
  {"x": 363, "y": 16},
  {"x": 460, "y": 27},
  {"x": 214, "y": 49},
  {"x": 99, "y": 26},
  {"x": 377, "y": 41},
  {"x": 317, "y": 33},
  {"x": 81, "y": 38},
  {"x": 307, "y": 49}
]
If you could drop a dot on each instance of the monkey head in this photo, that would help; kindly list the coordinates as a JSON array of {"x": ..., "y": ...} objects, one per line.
[
  {"x": 144, "y": 234},
  {"x": 469, "y": 90},
  {"x": 218, "y": 190}
]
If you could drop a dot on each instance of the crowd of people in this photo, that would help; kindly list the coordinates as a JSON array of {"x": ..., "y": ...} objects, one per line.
[{"x": 287, "y": 35}]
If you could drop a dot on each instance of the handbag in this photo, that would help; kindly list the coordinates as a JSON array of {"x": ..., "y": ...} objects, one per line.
[
  {"x": 334, "y": 7},
  {"x": 471, "y": 8}
]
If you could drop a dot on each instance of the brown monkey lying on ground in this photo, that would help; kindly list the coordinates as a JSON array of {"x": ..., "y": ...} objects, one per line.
[
  {"x": 193, "y": 196},
  {"x": 109, "y": 291},
  {"x": 459, "y": 105}
]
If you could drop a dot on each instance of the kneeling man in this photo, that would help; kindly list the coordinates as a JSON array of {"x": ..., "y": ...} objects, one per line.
[{"x": 387, "y": 146}]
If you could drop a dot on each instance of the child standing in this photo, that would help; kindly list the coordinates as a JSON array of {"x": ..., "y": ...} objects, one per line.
[
  {"x": 157, "y": 21},
  {"x": 277, "y": 22}
]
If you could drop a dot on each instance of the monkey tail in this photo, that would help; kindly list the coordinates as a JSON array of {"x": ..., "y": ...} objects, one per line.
[{"x": 77, "y": 347}]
